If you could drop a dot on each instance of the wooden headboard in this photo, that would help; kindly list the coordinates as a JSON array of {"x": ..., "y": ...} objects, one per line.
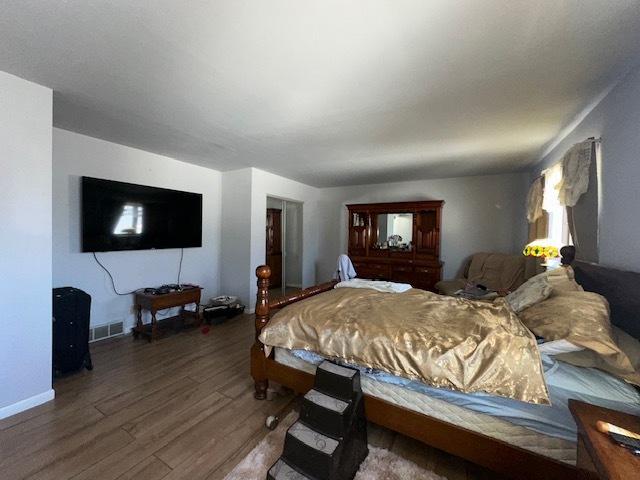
[{"x": 620, "y": 288}]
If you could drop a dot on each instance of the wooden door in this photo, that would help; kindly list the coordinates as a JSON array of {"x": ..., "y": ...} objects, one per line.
[{"x": 274, "y": 246}]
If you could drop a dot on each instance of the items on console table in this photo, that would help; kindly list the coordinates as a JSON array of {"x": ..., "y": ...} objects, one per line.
[
  {"x": 154, "y": 302},
  {"x": 398, "y": 242},
  {"x": 599, "y": 456}
]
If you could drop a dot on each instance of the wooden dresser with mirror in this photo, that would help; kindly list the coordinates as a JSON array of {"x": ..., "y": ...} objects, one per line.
[{"x": 399, "y": 242}]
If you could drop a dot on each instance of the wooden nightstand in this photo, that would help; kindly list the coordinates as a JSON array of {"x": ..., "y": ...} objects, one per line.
[{"x": 598, "y": 455}]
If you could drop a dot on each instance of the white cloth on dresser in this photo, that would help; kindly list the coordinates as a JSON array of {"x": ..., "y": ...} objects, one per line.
[{"x": 345, "y": 268}]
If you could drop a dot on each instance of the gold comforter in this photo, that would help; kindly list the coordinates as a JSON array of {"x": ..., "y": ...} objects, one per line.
[{"x": 446, "y": 342}]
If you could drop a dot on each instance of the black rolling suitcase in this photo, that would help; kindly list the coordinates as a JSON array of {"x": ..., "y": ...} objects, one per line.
[{"x": 71, "y": 313}]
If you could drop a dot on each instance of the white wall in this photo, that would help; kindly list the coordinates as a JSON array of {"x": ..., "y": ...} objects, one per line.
[
  {"x": 77, "y": 155},
  {"x": 275, "y": 203},
  {"x": 235, "y": 267},
  {"x": 480, "y": 214},
  {"x": 25, "y": 244},
  {"x": 616, "y": 119}
]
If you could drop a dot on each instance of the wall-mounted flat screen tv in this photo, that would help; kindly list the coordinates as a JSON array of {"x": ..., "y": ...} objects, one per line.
[{"x": 124, "y": 216}]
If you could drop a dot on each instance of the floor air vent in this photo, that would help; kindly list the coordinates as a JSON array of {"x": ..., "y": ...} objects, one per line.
[{"x": 101, "y": 332}]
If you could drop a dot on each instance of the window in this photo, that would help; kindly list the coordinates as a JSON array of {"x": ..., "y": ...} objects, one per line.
[
  {"x": 558, "y": 226},
  {"x": 563, "y": 207}
]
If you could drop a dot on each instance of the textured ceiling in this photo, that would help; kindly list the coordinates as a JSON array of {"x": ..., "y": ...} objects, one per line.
[{"x": 328, "y": 92}]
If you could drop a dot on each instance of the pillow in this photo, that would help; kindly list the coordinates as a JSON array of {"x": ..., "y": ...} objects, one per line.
[
  {"x": 558, "y": 347},
  {"x": 588, "y": 358},
  {"x": 542, "y": 286},
  {"x": 534, "y": 290},
  {"x": 562, "y": 280},
  {"x": 629, "y": 345},
  {"x": 581, "y": 318}
]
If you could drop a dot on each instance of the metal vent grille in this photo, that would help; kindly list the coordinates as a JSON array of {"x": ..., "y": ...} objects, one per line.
[
  {"x": 115, "y": 328},
  {"x": 101, "y": 332}
]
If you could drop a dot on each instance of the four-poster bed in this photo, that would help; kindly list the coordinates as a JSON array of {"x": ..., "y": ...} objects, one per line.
[{"x": 496, "y": 454}]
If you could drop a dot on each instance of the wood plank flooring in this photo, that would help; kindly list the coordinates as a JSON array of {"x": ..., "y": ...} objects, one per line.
[{"x": 180, "y": 408}]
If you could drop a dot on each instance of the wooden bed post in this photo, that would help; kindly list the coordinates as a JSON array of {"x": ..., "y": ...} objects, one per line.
[{"x": 258, "y": 357}]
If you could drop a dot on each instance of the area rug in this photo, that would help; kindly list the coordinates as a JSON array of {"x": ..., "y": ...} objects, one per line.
[{"x": 380, "y": 464}]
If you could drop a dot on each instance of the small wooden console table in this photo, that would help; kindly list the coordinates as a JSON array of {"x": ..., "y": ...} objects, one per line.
[{"x": 154, "y": 303}]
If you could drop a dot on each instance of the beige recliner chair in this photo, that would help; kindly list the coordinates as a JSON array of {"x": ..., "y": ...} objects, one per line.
[{"x": 496, "y": 271}]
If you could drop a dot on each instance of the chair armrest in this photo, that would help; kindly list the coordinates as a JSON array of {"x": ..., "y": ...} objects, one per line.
[{"x": 449, "y": 287}]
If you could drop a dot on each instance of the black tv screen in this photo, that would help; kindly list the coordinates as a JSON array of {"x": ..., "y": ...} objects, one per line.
[{"x": 124, "y": 216}]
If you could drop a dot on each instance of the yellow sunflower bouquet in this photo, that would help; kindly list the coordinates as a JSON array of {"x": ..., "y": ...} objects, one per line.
[{"x": 539, "y": 249}]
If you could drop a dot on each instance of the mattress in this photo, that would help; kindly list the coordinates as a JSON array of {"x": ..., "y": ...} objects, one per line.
[{"x": 549, "y": 446}]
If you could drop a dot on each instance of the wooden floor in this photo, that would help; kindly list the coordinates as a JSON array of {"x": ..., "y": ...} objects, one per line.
[{"x": 180, "y": 408}]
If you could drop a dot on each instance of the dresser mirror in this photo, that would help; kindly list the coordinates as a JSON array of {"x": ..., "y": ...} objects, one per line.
[{"x": 393, "y": 231}]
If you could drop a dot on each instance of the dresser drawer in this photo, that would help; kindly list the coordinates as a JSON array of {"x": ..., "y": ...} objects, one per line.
[
  {"x": 403, "y": 274},
  {"x": 425, "y": 270},
  {"x": 426, "y": 277},
  {"x": 374, "y": 271}
]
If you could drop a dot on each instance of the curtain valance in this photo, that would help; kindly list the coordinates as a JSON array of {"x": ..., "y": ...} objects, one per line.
[
  {"x": 575, "y": 173},
  {"x": 564, "y": 183}
]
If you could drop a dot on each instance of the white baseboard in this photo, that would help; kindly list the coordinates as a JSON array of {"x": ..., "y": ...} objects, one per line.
[{"x": 27, "y": 403}]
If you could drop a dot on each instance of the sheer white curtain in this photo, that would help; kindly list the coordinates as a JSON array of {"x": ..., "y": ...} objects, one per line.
[
  {"x": 571, "y": 199},
  {"x": 537, "y": 217}
]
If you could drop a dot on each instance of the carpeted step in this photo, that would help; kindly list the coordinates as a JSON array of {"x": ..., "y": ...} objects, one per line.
[
  {"x": 354, "y": 446},
  {"x": 337, "y": 381},
  {"x": 281, "y": 470},
  {"x": 312, "y": 452},
  {"x": 328, "y": 415},
  {"x": 330, "y": 440}
]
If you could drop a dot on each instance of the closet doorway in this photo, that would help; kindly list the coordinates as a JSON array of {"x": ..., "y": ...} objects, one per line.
[{"x": 284, "y": 245}]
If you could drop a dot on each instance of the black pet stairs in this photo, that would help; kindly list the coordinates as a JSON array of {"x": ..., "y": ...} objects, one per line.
[{"x": 329, "y": 440}]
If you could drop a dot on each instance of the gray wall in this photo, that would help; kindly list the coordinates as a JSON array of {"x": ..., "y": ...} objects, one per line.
[
  {"x": 616, "y": 119},
  {"x": 480, "y": 214}
]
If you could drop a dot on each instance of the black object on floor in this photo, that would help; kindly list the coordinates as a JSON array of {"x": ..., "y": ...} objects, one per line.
[
  {"x": 329, "y": 441},
  {"x": 71, "y": 315},
  {"x": 221, "y": 309}
]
